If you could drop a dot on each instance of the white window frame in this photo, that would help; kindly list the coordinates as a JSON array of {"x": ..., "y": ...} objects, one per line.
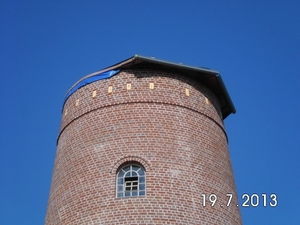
[{"x": 130, "y": 172}]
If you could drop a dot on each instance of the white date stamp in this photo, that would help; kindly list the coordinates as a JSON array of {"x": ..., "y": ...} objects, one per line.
[{"x": 247, "y": 200}]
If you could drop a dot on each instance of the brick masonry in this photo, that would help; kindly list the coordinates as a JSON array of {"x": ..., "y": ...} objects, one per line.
[{"x": 167, "y": 122}]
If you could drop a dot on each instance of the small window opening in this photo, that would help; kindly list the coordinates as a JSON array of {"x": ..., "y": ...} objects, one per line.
[
  {"x": 131, "y": 181},
  {"x": 131, "y": 184}
]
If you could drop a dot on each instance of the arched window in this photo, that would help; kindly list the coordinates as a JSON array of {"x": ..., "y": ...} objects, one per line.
[{"x": 131, "y": 181}]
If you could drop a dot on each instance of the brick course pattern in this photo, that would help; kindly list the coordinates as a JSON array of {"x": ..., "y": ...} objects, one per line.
[{"x": 168, "y": 123}]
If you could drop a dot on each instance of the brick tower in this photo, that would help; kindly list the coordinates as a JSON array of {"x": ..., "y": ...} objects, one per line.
[{"x": 143, "y": 142}]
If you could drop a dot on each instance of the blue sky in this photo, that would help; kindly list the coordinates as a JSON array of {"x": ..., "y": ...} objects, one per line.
[{"x": 46, "y": 46}]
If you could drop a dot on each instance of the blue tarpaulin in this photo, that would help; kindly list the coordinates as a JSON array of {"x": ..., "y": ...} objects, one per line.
[{"x": 89, "y": 80}]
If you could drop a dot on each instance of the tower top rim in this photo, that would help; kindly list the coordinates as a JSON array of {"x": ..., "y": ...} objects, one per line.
[{"x": 211, "y": 78}]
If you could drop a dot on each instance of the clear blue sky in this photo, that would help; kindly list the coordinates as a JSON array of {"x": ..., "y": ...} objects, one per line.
[{"x": 46, "y": 46}]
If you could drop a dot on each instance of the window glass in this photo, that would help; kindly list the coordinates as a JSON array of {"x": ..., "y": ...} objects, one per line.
[
  {"x": 142, "y": 186},
  {"x": 126, "y": 169},
  {"x": 141, "y": 172},
  {"x": 128, "y": 174},
  {"x": 121, "y": 173},
  {"x": 120, "y": 188},
  {"x": 120, "y": 180},
  {"x": 135, "y": 168},
  {"x": 134, "y": 174}
]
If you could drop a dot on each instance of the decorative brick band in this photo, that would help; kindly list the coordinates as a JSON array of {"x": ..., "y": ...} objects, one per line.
[{"x": 148, "y": 102}]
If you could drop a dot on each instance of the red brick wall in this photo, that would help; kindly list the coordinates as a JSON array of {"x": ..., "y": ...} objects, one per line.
[{"x": 179, "y": 139}]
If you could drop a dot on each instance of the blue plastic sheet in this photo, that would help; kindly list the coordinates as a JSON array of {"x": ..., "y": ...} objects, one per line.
[{"x": 89, "y": 80}]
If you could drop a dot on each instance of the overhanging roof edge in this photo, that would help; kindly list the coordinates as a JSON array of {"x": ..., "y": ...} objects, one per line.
[
  {"x": 154, "y": 60},
  {"x": 227, "y": 96}
]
